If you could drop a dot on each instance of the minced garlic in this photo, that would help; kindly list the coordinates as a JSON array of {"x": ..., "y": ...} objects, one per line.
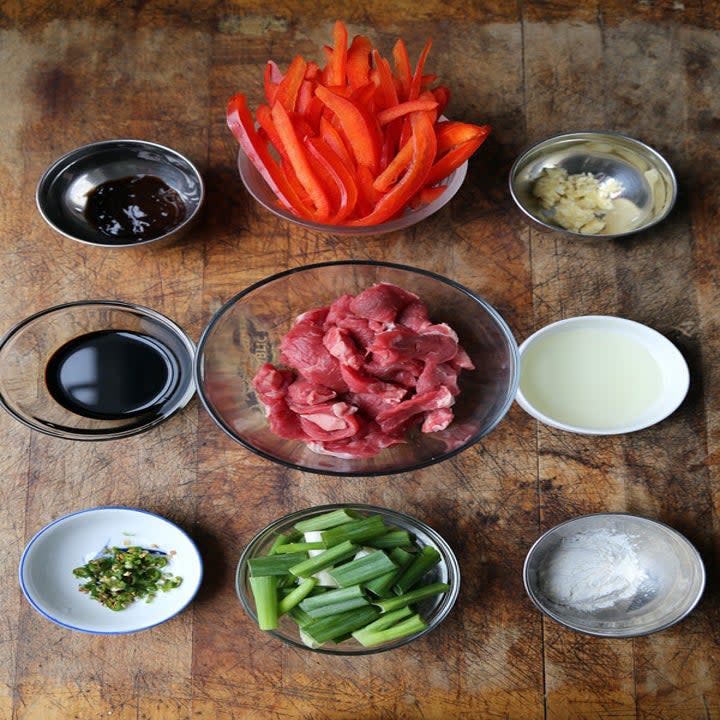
[{"x": 576, "y": 202}]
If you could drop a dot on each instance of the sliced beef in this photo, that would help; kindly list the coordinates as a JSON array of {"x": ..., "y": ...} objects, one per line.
[
  {"x": 303, "y": 349},
  {"x": 381, "y": 302},
  {"x": 361, "y": 372}
]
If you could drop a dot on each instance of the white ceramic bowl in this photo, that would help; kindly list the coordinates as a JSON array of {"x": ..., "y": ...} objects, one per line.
[
  {"x": 670, "y": 575},
  {"x": 46, "y": 568},
  {"x": 622, "y": 375}
]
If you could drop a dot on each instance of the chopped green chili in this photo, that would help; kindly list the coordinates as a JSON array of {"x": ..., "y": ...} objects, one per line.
[{"x": 120, "y": 576}]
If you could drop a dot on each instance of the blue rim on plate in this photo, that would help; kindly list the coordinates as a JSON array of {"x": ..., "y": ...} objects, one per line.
[{"x": 145, "y": 615}]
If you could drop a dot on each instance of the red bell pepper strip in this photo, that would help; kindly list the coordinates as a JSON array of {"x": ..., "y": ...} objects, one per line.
[
  {"x": 368, "y": 197},
  {"x": 416, "y": 82},
  {"x": 263, "y": 115},
  {"x": 364, "y": 98},
  {"x": 452, "y": 159},
  {"x": 287, "y": 90},
  {"x": 402, "y": 69},
  {"x": 299, "y": 162},
  {"x": 427, "y": 195},
  {"x": 360, "y": 130},
  {"x": 442, "y": 95},
  {"x": 450, "y": 133},
  {"x": 271, "y": 80},
  {"x": 424, "y": 147},
  {"x": 308, "y": 105},
  {"x": 240, "y": 122},
  {"x": 313, "y": 71},
  {"x": 336, "y": 67},
  {"x": 340, "y": 174},
  {"x": 404, "y": 108},
  {"x": 386, "y": 94},
  {"x": 391, "y": 142},
  {"x": 333, "y": 138},
  {"x": 358, "y": 61},
  {"x": 392, "y": 172}
]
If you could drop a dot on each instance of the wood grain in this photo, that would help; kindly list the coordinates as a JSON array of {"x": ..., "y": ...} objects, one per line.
[{"x": 163, "y": 70}]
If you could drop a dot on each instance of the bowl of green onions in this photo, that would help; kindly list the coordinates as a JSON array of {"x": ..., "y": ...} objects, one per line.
[{"x": 347, "y": 579}]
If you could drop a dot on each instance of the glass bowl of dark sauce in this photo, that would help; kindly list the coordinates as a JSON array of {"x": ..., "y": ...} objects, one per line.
[
  {"x": 95, "y": 370},
  {"x": 121, "y": 193}
]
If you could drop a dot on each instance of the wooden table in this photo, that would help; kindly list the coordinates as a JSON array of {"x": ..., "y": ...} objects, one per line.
[{"x": 163, "y": 71}]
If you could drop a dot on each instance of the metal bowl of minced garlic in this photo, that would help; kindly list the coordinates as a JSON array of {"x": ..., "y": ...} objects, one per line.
[{"x": 593, "y": 184}]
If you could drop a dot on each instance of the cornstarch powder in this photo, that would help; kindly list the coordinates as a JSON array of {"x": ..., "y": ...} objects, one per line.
[{"x": 592, "y": 570}]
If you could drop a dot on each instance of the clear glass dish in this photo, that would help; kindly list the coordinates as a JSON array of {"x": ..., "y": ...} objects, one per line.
[
  {"x": 27, "y": 348},
  {"x": 246, "y": 332},
  {"x": 260, "y": 190},
  {"x": 433, "y": 610}
]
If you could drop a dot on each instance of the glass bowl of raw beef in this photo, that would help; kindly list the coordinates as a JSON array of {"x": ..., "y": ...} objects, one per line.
[{"x": 357, "y": 368}]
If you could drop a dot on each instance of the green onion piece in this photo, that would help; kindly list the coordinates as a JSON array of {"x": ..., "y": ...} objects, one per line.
[
  {"x": 323, "y": 560},
  {"x": 296, "y": 596},
  {"x": 326, "y": 520},
  {"x": 362, "y": 569},
  {"x": 386, "y": 620},
  {"x": 394, "y": 603},
  {"x": 367, "y": 637},
  {"x": 391, "y": 539},
  {"x": 278, "y": 564},
  {"x": 337, "y": 608},
  {"x": 357, "y": 531},
  {"x": 382, "y": 585},
  {"x": 334, "y": 602},
  {"x": 300, "y": 547},
  {"x": 299, "y": 616},
  {"x": 281, "y": 540},
  {"x": 264, "y": 590},
  {"x": 335, "y": 626},
  {"x": 330, "y": 597},
  {"x": 427, "y": 558}
]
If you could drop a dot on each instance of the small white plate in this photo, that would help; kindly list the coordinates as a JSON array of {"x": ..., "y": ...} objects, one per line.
[
  {"x": 632, "y": 378},
  {"x": 46, "y": 568}
]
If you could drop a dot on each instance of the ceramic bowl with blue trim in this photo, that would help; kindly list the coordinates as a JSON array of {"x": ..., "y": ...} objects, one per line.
[{"x": 51, "y": 587}]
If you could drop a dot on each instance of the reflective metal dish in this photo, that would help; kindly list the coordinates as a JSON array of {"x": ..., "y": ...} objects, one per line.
[
  {"x": 649, "y": 188},
  {"x": 63, "y": 189},
  {"x": 673, "y": 582}
]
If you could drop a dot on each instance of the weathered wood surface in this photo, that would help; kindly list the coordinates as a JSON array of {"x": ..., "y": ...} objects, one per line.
[{"x": 76, "y": 72}]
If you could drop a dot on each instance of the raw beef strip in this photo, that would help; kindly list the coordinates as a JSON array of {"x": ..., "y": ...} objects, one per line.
[
  {"x": 381, "y": 302},
  {"x": 303, "y": 349},
  {"x": 362, "y": 372}
]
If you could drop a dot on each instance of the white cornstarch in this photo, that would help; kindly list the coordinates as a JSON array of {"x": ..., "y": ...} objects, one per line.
[{"x": 592, "y": 570}]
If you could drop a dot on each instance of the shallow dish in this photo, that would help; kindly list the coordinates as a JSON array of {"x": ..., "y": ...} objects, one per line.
[
  {"x": 648, "y": 188},
  {"x": 670, "y": 582},
  {"x": 433, "y": 610},
  {"x": 64, "y": 188},
  {"x": 245, "y": 333},
  {"x": 260, "y": 190},
  {"x": 600, "y": 375},
  {"x": 48, "y": 583},
  {"x": 26, "y": 352}
]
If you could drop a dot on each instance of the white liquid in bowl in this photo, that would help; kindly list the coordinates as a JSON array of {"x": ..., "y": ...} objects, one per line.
[{"x": 593, "y": 376}]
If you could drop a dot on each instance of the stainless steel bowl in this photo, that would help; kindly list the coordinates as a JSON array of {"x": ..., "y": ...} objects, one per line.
[
  {"x": 63, "y": 190},
  {"x": 670, "y": 584},
  {"x": 648, "y": 185}
]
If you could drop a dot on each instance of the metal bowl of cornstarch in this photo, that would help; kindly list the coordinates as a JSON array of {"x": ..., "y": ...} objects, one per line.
[{"x": 614, "y": 575}]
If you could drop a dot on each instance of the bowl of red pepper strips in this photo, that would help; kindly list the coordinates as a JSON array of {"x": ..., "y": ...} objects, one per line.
[{"x": 358, "y": 146}]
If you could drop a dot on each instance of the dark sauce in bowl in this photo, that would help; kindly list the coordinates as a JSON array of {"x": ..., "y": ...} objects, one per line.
[
  {"x": 135, "y": 208},
  {"x": 112, "y": 374}
]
